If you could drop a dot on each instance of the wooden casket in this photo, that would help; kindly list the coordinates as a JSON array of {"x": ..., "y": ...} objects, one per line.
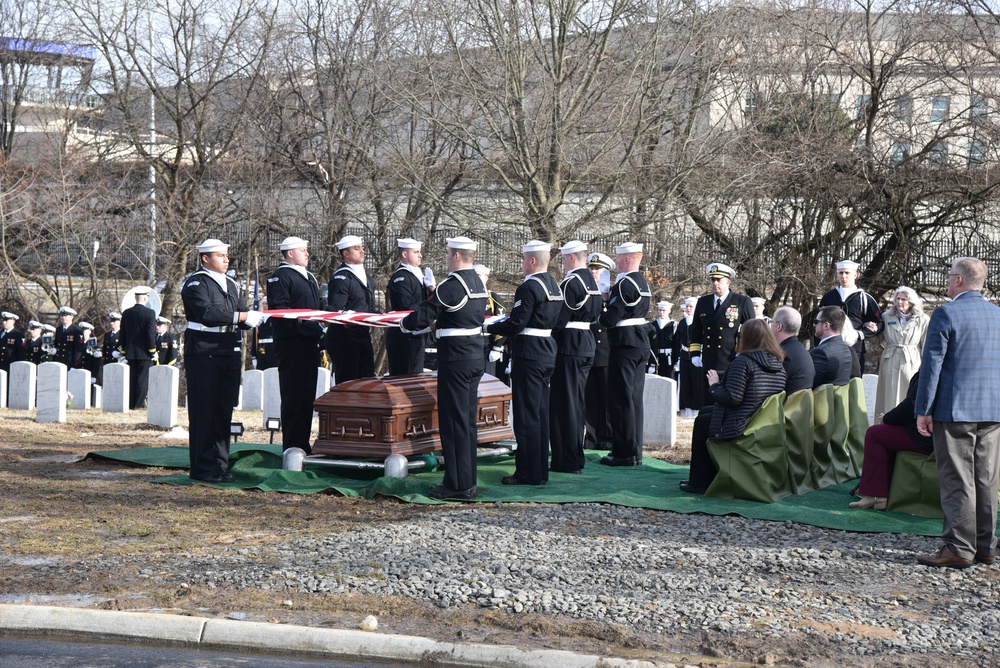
[{"x": 378, "y": 417}]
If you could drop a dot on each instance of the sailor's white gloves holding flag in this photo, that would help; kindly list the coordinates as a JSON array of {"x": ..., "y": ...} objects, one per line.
[{"x": 254, "y": 318}]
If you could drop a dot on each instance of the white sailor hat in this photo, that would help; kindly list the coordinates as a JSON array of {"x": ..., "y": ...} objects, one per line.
[
  {"x": 86, "y": 325},
  {"x": 48, "y": 328},
  {"x": 114, "y": 315},
  {"x": 140, "y": 290},
  {"x": 666, "y": 305},
  {"x": 575, "y": 246},
  {"x": 212, "y": 246},
  {"x": 719, "y": 270},
  {"x": 693, "y": 301},
  {"x": 66, "y": 310},
  {"x": 758, "y": 300},
  {"x": 160, "y": 320},
  {"x": 291, "y": 243},
  {"x": 848, "y": 264},
  {"x": 34, "y": 324},
  {"x": 409, "y": 244},
  {"x": 536, "y": 246},
  {"x": 628, "y": 247},
  {"x": 7, "y": 315},
  {"x": 599, "y": 260},
  {"x": 462, "y": 243},
  {"x": 482, "y": 269},
  {"x": 349, "y": 241}
]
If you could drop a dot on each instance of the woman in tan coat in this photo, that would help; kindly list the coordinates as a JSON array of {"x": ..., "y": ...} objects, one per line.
[{"x": 905, "y": 329}]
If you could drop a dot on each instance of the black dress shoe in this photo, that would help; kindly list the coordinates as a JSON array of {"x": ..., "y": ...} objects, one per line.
[
  {"x": 227, "y": 477},
  {"x": 514, "y": 480},
  {"x": 441, "y": 492},
  {"x": 686, "y": 486},
  {"x": 212, "y": 479},
  {"x": 611, "y": 460},
  {"x": 574, "y": 471}
]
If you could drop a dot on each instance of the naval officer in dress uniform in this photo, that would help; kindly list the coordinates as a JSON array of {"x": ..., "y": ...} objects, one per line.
[
  {"x": 351, "y": 289},
  {"x": 138, "y": 343},
  {"x": 582, "y": 304},
  {"x": 536, "y": 309},
  {"x": 166, "y": 344},
  {"x": 689, "y": 380},
  {"x": 296, "y": 342},
  {"x": 598, "y": 431},
  {"x": 213, "y": 350},
  {"x": 864, "y": 317},
  {"x": 109, "y": 343},
  {"x": 408, "y": 287},
  {"x": 33, "y": 351},
  {"x": 11, "y": 340},
  {"x": 456, "y": 310},
  {"x": 625, "y": 318},
  {"x": 662, "y": 340},
  {"x": 69, "y": 342},
  {"x": 715, "y": 329}
]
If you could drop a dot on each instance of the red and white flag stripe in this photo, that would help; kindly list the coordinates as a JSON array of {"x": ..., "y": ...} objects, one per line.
[{"x": 358, "y": 319}]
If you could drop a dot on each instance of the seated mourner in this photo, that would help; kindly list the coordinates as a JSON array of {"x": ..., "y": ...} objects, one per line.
[{"x": 755, "y": 374}]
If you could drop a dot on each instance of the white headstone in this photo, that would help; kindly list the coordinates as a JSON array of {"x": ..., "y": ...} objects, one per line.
[
  {"x": 271, "y": 394},
  {"x": 239, "y": 399},
  {"x": 116, "y": 386},
  {"x": 322, "y": 382},
  {"x": 253, "y": 390},
  {"x": 95, "y": 396},
  {"x": 161, "y": 400},
  {"x": 3, "y": 389},
  {"x": 870, "y": 381},
  {"x": 52, "y": 397},
  {"x": 659, "y": 410},
  {"x": 21, "y": 385},
  {"x": 78, "y": 385}
]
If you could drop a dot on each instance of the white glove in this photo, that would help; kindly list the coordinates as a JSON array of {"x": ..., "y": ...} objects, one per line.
[
  {"x": 116, "y": 354},
  {"x": 156, "y": 357},
  {"x": 429, "y": 278},
  {"x": 97, "y": 353},
  {"x": 507, "y": 370},
  {"x": 696, "y": 361},
  {"x": 253, "y": 362},
  {"x": 496, "y": 355},
  {"x": 677, "y": 366},
  {"x": 254, "y": 318}
]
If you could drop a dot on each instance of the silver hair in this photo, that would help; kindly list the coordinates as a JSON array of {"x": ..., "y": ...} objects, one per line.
[
  {"x": 789, "y": 319},
  {"x": 911, "y": 296}
]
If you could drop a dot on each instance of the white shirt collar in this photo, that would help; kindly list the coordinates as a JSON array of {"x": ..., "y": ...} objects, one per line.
[
  {"x": 846, "y": 292},
  {"x": 413, "y": 270},
  {"x": 221, "y": 279},
  {"x": 359, "y": 271},
  {"x": 832, "y": 336}
]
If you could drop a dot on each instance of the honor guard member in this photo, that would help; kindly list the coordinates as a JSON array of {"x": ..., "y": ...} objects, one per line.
[
  {"x": 166, "y": 344},
  {"x": 33, "y": 351},
  {"x": 213, "y": 352},
  {"x": 109, "y": 344},
  {"x": 864, "y": 317},
  {"x": 455, "y": 310},
  {"x": 69, "y": 345},
  {"x": 625, "y": 319},
  {"x": 351, "y": 289},
  {"x": 537, "y": 305},
  {"x": 11, "y": 340},
  {"x": 598, "y": 432},
  {"x": 296, "y": 342},
  {"x": 582, "y": 304},
  {"x": 662, "y": 340},
  {"x": 48, "y": 343},
  {"x": 493, "y": 346},
  {"x": 92, "y": 352},
  {"x": 137, "y": 343},
  {"x": 758, "y": 309},
  {"x": 718, "y": 318},
  {"x": 264, "y": 356},
  {"x": 688, "y": 375},
  {"x": 408, "y": 287}
]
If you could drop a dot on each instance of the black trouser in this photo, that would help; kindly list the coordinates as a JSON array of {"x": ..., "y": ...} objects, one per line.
[
  {"x": 354, "y": 355},
  {"x": 458, "y": 407},
  {"x": 690, "y": 389},
  {"x": 530, "y": 389},
  {"x": 703, "y": 469},
  {"x": 138, "y": 382},
  {"x": 567, "y": 412},
  {"x": 598, "y": 435},
  {"x": 298, "y": 370},
  {"x": 405, "y": 352},
  {"x": 626, "y": 382},
  {"x": 213, "y": 388}
]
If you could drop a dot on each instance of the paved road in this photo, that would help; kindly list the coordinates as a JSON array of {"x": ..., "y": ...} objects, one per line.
[{"x": 17, "y": 652}]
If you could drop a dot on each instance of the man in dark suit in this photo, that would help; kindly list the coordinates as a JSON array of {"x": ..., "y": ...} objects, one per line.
[
  {"x": 138, "y": 343},
  {"x": 351, "y": 289},
  {"x": 407, "y": 288},
  {"x": 715, "y": 330},
  {"x": 958, "y": 402},
  {"x": 799, "y": 368},
  {"x": 831, "y": 357}
]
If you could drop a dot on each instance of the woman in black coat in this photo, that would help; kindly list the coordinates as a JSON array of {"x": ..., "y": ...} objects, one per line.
[{"x": 755, "y": 374}]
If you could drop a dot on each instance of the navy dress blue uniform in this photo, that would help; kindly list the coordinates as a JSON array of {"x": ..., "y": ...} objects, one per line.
[
  {"x": 212, "y": 347},
  {"x": 166, "y": 349},
  {"x": 689, "y": 377},
  {"x": 598, "y": 436},
  {"x": 405, "y": 351},
  {"x": 350, "y": 346},
  {"x": 296, "y": 343},
  {"x": 497, "y": 344},
  {"x": 860, "y": 308},
  {"x": 33, "y": 352},
  {"x": 138, "y": 342},
  {"x": 109, "y": 344},
  {"x": 537, "y": 305},
  {"x": 662, "y": 343},
  {"x": 629, "y": 337},
  {"x": 11, "y": 347},
  {"x": 264, "y": 351},
  {"x": 582, "y": 304},
  {"x": 715, "y": 331},
  {"x": 457, "y": 307},
  {"x": 70, "y": 346}
]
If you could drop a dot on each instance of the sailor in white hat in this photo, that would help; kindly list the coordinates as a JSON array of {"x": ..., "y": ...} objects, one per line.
[
  {"x": 628, "y": 331},
  {"x": 216, "y": 316},
  {"x": 582, "y": 304},
  {"x": 718, "y": 317},
  {"x": 494, "y": 347},
  {"x": 69, "y": 341},
  {"x": 11, "y": 341},
  {"x": 296, "y": 342},
  {"x": 109, "y": 342},
  {"x": 598, "y": 431},
  {"x": 408, "y": 287},
  {"x": 689, "y": 377},
  {"x": 758, "y": 309},
  {"x": 137, "y": 342},
  {"x": 351, "y": 290},
  {"x": 664, "y": 329},
  {"x": 864, "y": 317},
  {"x": 537, "y": 305},
  {"x": 456, "y": 309},
  {"x": 167, "y": 352},
  {"x": 33, "y": 350}
]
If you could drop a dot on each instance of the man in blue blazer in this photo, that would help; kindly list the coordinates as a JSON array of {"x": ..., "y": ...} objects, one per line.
[
  {"x": 831, "y": 357},
  {"x": 958, "y": 401}
]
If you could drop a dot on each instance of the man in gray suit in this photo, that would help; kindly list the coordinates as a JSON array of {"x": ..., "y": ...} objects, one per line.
[
  {"x": 831, "y": 357},
  {"x": 958, "y": 402}
]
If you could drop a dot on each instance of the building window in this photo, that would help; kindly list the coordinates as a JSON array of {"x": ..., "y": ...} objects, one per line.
[
  {"x": 900, "y": 152},
  {"x": 979, "y": 108},
  {"x": 938, "y": 153},
  {"x": 940, "y": 106},
  {"x": 902, "y": 109},
  {"x": 862, "y": 105},
  {"x": 753, "y": 104},
  {"x": 977, "y": 152}
]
